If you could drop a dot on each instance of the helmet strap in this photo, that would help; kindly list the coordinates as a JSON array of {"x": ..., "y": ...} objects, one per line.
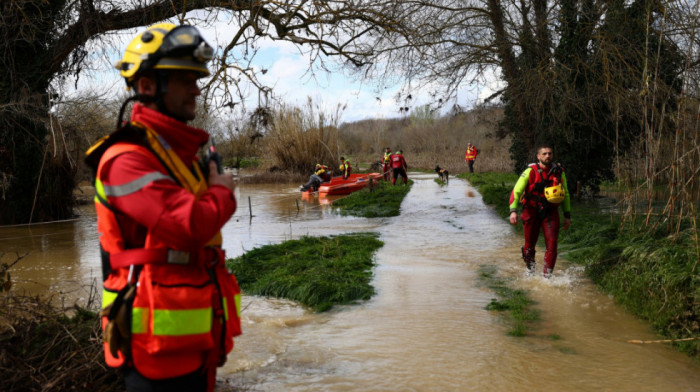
[{"x": 136, "y": 97}]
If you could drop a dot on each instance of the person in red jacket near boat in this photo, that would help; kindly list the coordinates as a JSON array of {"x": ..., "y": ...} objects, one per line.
[
  {"x": 541, "y": 188},
  {"x": 321, "y": 174},
  {"x": 345, "y": 168},
  {"x": 170, "y": 307},
  {"x": 398, "y": 167}
]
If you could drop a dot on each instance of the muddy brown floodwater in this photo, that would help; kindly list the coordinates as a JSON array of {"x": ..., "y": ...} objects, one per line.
[{"x": 426, "y": 329}]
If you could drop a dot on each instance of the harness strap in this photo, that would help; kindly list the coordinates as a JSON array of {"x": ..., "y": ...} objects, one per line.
[
  {"x": 141, "y": 256},
  {"x": 541, "y": 180}
]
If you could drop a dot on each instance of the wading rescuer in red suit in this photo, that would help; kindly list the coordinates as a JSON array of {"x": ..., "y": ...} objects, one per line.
[
  {"x": 170, "y": 308},
  {"x": 541, "y": 188}
]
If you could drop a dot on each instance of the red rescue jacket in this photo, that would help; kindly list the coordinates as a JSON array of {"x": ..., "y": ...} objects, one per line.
[
  {"x": 159, "y": 221},
  {"x": 533, "y": 195},
  {"x": 397, "y": 161},
  {"x": 471, "y": 153}
]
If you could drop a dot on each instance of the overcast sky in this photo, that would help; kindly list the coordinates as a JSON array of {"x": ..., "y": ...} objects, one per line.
[{"x": 287, "y": 74}]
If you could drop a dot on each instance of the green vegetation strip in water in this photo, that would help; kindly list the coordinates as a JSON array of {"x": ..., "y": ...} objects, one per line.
[
  {"x": 319, "y": 272},
  {"x": 654, "y": 275},
  {"x": 514, "y": 304},
  {"x": 382, "y": 200},
  {"x": 440, "y": 182}
]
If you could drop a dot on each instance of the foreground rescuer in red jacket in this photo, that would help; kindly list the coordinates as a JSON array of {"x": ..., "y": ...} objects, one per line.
[
  {"x": 541, "y": 188},
  {"x": 170, "y": 307}
]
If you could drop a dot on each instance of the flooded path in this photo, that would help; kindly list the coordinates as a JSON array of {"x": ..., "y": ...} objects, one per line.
[{"x": 426, "y": 328}]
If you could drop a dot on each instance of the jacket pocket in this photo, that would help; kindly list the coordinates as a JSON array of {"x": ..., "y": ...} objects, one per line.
[{"x": 174, "y": 316}]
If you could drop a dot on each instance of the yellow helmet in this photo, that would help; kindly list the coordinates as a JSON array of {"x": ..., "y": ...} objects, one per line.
[
  {"x": 554, "y": 194},
  {"x": 165, "y": 46}
]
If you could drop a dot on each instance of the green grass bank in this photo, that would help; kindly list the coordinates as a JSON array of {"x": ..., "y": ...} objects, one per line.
[
  {"x": 319, "y": 272},
  {"x": 382, "y": 200},
  {"x": 652, "y": 274}
]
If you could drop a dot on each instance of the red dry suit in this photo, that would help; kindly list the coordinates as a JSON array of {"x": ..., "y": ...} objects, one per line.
[
  {"x": 398, "y": 166},
  {"x": 159, "y": 228},
  {"x": 538, "y": 214}
]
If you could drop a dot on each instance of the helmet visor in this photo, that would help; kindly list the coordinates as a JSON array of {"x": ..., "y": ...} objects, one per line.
[{"x": 185, "y": 41}]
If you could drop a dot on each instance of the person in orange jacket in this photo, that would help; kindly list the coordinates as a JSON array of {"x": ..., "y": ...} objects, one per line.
[
  {"x": 470, "y": 156},
  {"x": 170, "y": 308}
]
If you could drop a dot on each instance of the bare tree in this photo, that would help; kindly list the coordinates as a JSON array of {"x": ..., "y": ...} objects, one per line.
[{"x": 45, "y": 41}]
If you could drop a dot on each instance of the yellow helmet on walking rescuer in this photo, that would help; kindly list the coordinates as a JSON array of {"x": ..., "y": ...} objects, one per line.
[
  {"x": 554, "y": 194},
  {"x": 165, "y": 46}
]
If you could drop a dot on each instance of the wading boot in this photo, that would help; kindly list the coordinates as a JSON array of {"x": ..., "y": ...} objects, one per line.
[
  {"x": 529, "y": 258},
  {"x": 547, "y": 273}
]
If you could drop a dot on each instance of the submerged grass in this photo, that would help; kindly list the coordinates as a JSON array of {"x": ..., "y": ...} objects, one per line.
[
  {"x": 513, "y": 303},
  {"x": 382, "y": 200},
  {"x": 652, "y": 274},
  {"x": 319, "y": 272}
]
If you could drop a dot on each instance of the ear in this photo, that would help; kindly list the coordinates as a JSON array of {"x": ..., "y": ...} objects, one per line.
[{"x": 146, "y": 86}]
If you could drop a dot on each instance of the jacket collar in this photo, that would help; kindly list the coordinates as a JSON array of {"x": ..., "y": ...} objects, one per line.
[{"x": 182, "y": 138}]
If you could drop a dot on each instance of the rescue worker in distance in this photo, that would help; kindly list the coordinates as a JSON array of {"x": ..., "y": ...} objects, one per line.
[
  {"x": 345, "y": 168},
  {"x": 470, "y": 156},
  {"x": 398, "y": 167},
  {"x": 170, "y": 307},
  {"x": 322, "y": 173},
  {"x": 386, "y": 164},
  {"x": 541, "y": 189}
]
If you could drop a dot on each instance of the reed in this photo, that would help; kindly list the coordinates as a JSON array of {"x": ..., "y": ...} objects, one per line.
[
  {"x": 427, "y": 141},
  {"x": 299, "y": 138},
  {"x": 45, "y": 347}
]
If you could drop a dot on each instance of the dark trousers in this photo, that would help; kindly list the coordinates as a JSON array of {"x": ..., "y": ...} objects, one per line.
[
  {"x": 192, "y": 382},
  {"x": 471, "y": 165},
  {"x": 399, "y": 171},
  {"x": 313, "y": 184}
]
